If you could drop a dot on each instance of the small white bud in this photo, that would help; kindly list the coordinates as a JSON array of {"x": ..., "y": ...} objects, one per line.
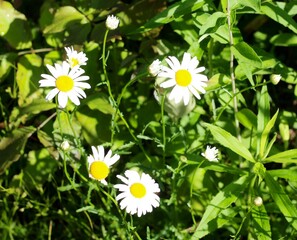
[
  {"x": 155, "y": 67},
  {"x": 275, "y": 78},
  {"x": 112, "y": 22},
  {"x": 258, "y": 201},
  {"x": 65, "y": 145}
]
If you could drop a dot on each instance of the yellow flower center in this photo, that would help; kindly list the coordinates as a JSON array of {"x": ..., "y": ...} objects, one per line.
[
  {"x": 138, "y": 190},
  {"x": 64, "y": 83},
  {"x": 74, "y": 62},
  {"x": 99, "y": 170},
  {"x": 183, "y": 77}
]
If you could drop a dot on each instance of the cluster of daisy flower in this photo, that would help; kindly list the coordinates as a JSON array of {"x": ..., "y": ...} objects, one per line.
[{"x": 138, "y": 191}]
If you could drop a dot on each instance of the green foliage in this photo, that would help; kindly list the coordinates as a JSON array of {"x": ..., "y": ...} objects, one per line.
[{"x": 246, "y": 191}]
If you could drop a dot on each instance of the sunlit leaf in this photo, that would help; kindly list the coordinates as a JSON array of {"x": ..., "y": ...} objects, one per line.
[
  {"x": 247, "y": 118},
  {"x": 265, "y": 134},
  {"x": 283, "y": 157},
  {"x": 14, "y": 27},
  {"x": 221, "y": 201},
  {"x": 226, "y": 139},
  {"x": 244, "y": 53},
  {"x": 28, "y": 73},
  {"x": 282, "y": 200},
  {"x": 261, "y": 223},
  {"x": 274, "y": 12},
  {"x": 12, "y": 146},
  {"x": 174, "y": 11}
]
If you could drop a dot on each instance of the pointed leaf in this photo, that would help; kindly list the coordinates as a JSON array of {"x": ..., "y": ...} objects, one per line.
[
  {"x": 229, "y": 141},
  {"x": 265, "y": 134},
  {"x": 261, "y": 223},
  {"x": 289, "y": 156},
  {"x": 246, "y": 54},
  {"x": 282, "y": 200},
  {"x": 279, "y": 15},
  {"x": 221, "y": 201},
  {"x": 174, "y": 11},
  {"x": 247, "y": 118}
]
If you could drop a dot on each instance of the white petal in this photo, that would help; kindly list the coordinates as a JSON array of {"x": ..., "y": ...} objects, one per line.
[
  {"x": 167, "y": 84},
  {"x": 52, "y": 94},
  {"x": 62, "y": 99}
]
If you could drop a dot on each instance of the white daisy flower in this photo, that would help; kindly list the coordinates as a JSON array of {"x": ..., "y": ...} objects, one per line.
[
  {"x": 155, "y": 68},
  {"x": 67, "y": 81},
  {"x": 138, "y": 193},
  {"x": 184, "y": 77},
  {"x": 99, "y": 163},
  {"x": 112, "y": 22},
  {"x": 75, "y": 58},
  {"x": 211, "y": 154}
]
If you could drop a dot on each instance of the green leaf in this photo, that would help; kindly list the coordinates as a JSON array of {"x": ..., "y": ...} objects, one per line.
[
  {"x": 229, "y": 141},
  {"x": 290, "y": 174},
  {"x": 261, "y": 223},
  {"x": 174, "y": 11},
  {"x": 284, "y": 40},
  {"x": 12, "y": 146},
  {"x": 67, "y": 23},
  {"x": 28, "y": 73},
  {"x": 217, "y": 81},
  {"x": 7, "y": 62},
  {"x": 289, "y": 156},
  {"x": 274, "y": 12},
  {"x": 99, "y": 101},
  {"x": 263, "y": 114},
  {"x": 220, "y": 202},
  {"x": 14, "y": 27},
  {"x": 247, "y": 118},
  {"x": 214, "y": 21},
  {"x": 265, "y": 135},
  {"x": 246, "y": 54},
  {"x": 282, "y": 200}
]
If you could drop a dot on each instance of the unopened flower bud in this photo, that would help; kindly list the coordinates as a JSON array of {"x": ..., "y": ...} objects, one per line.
[
  {"x": 155, "y": 67},
  {"x": 275, "y": 78},
  {"x": 65, "y": 145},
  {"x": 258, "y": 201}
]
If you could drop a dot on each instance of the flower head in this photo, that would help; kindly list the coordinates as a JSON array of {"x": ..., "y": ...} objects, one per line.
[
  {"x": 211, "y": 154},
  {"x": 138, "y": 193},
  {"x": 112, "y": 22},
  {"x": 99, "y": 163},
  {"x": 184, "y": 77},
  {"x": 75, "y": 58},
  {"x": 67, "y": 83},
  {"x": 155, "y": 68}
]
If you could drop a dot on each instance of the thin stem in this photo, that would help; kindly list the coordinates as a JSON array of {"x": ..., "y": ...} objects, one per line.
[
  {"x": 163, "y": 126},
  {"x": 232, "y": 75},
  {"x": 114, "y": 103}
]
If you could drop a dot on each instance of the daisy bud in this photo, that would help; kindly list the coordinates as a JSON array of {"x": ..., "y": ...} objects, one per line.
[
  {"x": 258, "y": 201},
  {"x": 65, "y": 145},
  {"x": 275, "y": 78},
  {"x": 112, "y": 22},
  {"x": 155, "y": 67}
]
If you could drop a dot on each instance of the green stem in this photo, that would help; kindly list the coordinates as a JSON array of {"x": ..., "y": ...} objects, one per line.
[
  {"x": 114, "y": 103},
  {"x": 232, "y": 75}
]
